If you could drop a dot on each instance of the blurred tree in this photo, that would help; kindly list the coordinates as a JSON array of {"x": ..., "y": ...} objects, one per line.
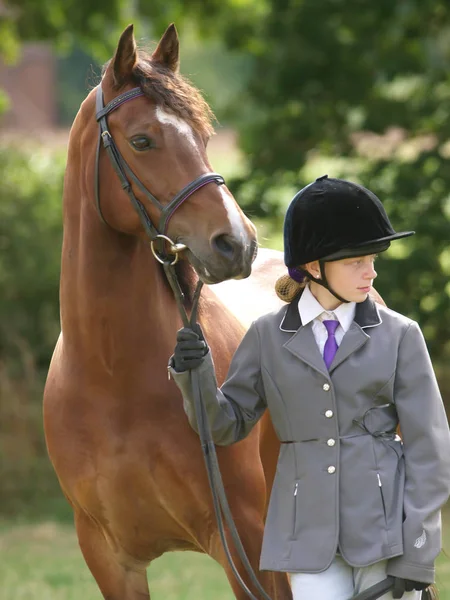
[
  {"x": 364, "y": 82},
  {"x": 219, "y": 73},
  {"x": 30, "y": 245},
  {"x": 78, "y": 73},
  {"x": 85, "y": 35},
  {"x": 367, "y": 82},
  {"x": 59, "y": 22},
  {"x": 93, "y": 26}
]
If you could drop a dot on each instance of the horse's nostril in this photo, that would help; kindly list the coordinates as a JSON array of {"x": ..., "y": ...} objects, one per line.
[{"x": 225, "y": 244}]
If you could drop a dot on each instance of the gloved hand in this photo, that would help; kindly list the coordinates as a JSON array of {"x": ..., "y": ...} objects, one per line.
[
  {"x": 190, "y": 349},
  {"x": 406, "y": 585}
]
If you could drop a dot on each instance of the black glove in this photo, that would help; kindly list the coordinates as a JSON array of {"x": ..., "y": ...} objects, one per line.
[
  {"x": 190, "y": 349},
  {"x": 406, "y": 585}
]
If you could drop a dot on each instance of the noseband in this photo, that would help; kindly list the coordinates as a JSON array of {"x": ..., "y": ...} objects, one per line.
[{"x": 125, "y": 174}]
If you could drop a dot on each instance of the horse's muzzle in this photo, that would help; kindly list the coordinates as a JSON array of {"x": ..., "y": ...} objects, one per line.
[{"x": 229, "y": 258}]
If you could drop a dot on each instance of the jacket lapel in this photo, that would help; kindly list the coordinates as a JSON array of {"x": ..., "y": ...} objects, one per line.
[
  {"x": 366, "y": 316},
  {"x": 303, "y": 344},
  {"x": 353, "y": 339}
]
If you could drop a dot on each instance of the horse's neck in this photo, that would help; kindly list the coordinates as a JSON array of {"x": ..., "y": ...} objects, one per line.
[{"x": 116, "y": 306}]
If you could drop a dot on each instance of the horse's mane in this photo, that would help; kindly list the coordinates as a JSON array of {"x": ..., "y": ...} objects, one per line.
[{"x": 172, "y": 91}]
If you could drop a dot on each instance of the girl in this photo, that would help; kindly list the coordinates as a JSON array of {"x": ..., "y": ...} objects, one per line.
[{"x": 351, "y": 502}]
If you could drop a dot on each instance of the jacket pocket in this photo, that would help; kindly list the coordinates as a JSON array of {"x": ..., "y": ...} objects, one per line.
[
  {"x": 390, "y": 469},
  {"x": 383, "y": 501},
  {"x": 294, "y": 512}
]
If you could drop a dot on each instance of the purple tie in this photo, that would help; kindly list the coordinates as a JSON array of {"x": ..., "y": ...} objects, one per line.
[{"x": 330, "y": 345}]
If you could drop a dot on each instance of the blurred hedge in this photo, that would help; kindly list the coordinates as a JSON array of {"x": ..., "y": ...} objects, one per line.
[{"x": 30, "y": 248}]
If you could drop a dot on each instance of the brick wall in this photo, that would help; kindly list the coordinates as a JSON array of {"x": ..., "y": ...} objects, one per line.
[{"x": 31, "y": 87}]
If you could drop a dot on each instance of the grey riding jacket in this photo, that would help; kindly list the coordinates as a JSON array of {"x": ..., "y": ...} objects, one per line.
[{"x": 344, "y": 479}]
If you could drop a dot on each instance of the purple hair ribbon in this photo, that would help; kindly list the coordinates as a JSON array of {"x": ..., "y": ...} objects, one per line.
[{"x": 296, "y": 274}]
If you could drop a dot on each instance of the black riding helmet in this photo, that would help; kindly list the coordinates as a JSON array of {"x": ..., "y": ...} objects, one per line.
[{"x": 331, "y": 219}]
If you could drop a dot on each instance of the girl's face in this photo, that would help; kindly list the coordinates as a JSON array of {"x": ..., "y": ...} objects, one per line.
[{"x": 350, "y": 278}]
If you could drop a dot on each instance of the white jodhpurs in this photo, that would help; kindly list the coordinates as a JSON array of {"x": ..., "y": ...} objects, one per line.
[{"x": 341, "y": 582}]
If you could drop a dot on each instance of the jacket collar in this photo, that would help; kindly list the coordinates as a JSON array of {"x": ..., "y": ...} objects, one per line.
[
  {"x": 310, "y": 309},
  {"x": 303, "y": 345},
  {"x": 291, "y": 320},
  {"x": 366, "y": 315}
]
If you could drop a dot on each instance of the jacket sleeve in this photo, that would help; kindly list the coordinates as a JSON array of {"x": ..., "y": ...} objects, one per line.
[
  {"x": 426, "y": 439},
  {"x": 235, "y": 408}
]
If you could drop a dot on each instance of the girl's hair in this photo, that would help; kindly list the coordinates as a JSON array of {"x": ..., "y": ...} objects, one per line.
[{"x": 287, "y": 288}]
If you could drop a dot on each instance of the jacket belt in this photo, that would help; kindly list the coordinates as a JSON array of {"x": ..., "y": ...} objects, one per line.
[{"x": 341, "y": 437}]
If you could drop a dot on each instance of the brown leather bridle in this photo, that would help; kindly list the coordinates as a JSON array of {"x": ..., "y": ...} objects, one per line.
[{"x": 126, "y": 176}]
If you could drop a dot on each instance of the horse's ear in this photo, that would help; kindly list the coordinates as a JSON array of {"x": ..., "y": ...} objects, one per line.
[
  {"x": 125, "y": 57},
  {"x": 167, "y": 52}
]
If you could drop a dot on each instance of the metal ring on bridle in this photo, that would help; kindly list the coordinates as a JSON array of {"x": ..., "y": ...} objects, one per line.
[{"x": 174, "y": 249}]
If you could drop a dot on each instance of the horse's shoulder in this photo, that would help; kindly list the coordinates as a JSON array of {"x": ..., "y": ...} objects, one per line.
[{"x": 250, "y": 298}]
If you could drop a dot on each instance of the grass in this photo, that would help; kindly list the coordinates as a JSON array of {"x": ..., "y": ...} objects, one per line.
[{"x": 43, "y": 562}]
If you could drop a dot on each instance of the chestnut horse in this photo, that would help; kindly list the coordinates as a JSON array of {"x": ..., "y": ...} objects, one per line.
[{"x": 126, "y": 458}]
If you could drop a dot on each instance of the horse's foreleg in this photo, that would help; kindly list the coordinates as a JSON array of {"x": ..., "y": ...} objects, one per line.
[
  {"x": 116, "y": 581},
  {"x": 276, "y": 585}
]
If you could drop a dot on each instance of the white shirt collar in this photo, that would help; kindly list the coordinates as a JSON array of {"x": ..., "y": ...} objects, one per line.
[{"x": 310, "y": 308}]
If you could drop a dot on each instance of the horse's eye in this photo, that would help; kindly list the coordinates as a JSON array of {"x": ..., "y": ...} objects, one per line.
[{"x": 141, "y": 142}]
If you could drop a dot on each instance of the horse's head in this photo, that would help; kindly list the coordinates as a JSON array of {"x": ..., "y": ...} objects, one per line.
[{"x": 161, "y": 131}]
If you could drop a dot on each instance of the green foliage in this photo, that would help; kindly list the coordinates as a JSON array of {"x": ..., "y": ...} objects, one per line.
[
  {"x": 92, "y": 23},
  {"x": 363, "y": 81},
  {"x": 4, "y": 102},
  {"x": 30, "y": 249},
  {"x": 365, "y": 84},
  {"x": 78, "y": 73},
  {"x": 322, "y": 71},
  {"x": 414, "y": 273},
  {"x": 48, "y": 19},
  {"x": 218, "y": 73},
  {"x": 30, "y": 243}
]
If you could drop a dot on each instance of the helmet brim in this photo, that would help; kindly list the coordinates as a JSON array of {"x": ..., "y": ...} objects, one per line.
[{"x": 370, "y": 247}]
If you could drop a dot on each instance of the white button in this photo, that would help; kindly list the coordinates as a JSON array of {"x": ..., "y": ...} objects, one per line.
[
  {"x": 326, "y": 387},
  {"x": 331, "y": 442},
  {"x": 328, "y": 414},
  {"x": 331, "y": 469}
]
